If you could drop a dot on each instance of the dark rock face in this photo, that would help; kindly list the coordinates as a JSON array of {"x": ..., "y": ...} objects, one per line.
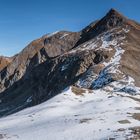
[
  {"x": 93, "y": 58},
  {"x": 36, "y": 52},
  {"x": 43, "y": 82}
]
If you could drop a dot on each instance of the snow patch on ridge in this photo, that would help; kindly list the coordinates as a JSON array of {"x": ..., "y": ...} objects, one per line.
[
  {"x": 125, "y": 85},
  {"x": 51, "y": 34},
  {"x": 107, "y": 41},
  {"x": 64, "y": 36}
]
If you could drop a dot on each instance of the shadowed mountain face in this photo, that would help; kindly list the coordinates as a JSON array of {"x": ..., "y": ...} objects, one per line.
[{"x": 104, "y": 55}]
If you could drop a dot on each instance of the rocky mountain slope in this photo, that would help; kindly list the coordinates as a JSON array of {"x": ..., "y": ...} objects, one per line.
[
  {"x": 4, "y": 61},
  {"x": 36, "y": 52}
]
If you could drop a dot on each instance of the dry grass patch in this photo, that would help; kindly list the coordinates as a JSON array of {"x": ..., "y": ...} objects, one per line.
[
  {"x": 136, "y": 116},
  {"x": 78, "y": 91}
]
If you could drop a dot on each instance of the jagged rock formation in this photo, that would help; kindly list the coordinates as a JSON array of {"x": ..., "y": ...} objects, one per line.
[
  {"x": 104, "y": 55},
  {"x": 4, "y": 61},
  {"x": 112, "y": 20}
]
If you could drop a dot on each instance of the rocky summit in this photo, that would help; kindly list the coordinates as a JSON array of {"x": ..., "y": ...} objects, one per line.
[{"x": 103, "y": 57}]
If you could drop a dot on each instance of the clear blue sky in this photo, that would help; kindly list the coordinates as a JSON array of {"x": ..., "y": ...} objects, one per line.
[{"x": 22, "y": 21}]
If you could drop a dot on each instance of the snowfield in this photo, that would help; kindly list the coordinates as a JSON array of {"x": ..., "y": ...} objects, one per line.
[{"x": 95, "y": 115}]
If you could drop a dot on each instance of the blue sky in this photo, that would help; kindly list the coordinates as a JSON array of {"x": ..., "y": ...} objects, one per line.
[{"x": 22, "y": 21}]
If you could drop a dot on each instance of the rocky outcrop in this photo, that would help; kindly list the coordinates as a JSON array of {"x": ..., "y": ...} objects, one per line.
[
  {"x": 4, "y": 61},
  {"x": 112, "y": 19}
]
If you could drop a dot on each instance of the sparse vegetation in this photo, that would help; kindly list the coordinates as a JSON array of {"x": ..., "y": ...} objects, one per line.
[{"x": 78, "y": 91}]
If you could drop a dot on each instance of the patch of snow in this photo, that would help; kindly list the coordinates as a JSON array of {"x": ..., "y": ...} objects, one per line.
[
  {"x": 87, "y": 46},
  {"x": 51, "y": 34},
  {"x": 125, "y": 85},
  {"x": 87, "y": 79},
  {"x": 118, "y": 50},
  {"x": 107, "y": 41},
  {"x": 126, "y": 30},
  {"x": 29, "y": 99},
  {"x": 64, "y": 67},
  {"x": 64, "y": 36},
  {"x": 103, "y": 79}
]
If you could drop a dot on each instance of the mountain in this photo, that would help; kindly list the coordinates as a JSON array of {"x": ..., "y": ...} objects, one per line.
[
  {"x": 101, "y": 58},
  {"x": 36, "y": 52},
  {"x": 103, "y": 55}
]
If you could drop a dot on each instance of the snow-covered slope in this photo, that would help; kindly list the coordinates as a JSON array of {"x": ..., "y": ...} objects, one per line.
[{"x": 91, "y": 116}]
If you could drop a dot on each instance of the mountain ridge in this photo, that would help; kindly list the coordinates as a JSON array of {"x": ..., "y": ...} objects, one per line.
[{"x": 104, "y": 55}]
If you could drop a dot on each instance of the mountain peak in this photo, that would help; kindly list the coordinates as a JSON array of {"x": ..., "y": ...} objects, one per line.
[
  {"x": 112, "y": 10},
  {"x": 111, "y": 20},
  {"x": 114, "y": 13}
]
